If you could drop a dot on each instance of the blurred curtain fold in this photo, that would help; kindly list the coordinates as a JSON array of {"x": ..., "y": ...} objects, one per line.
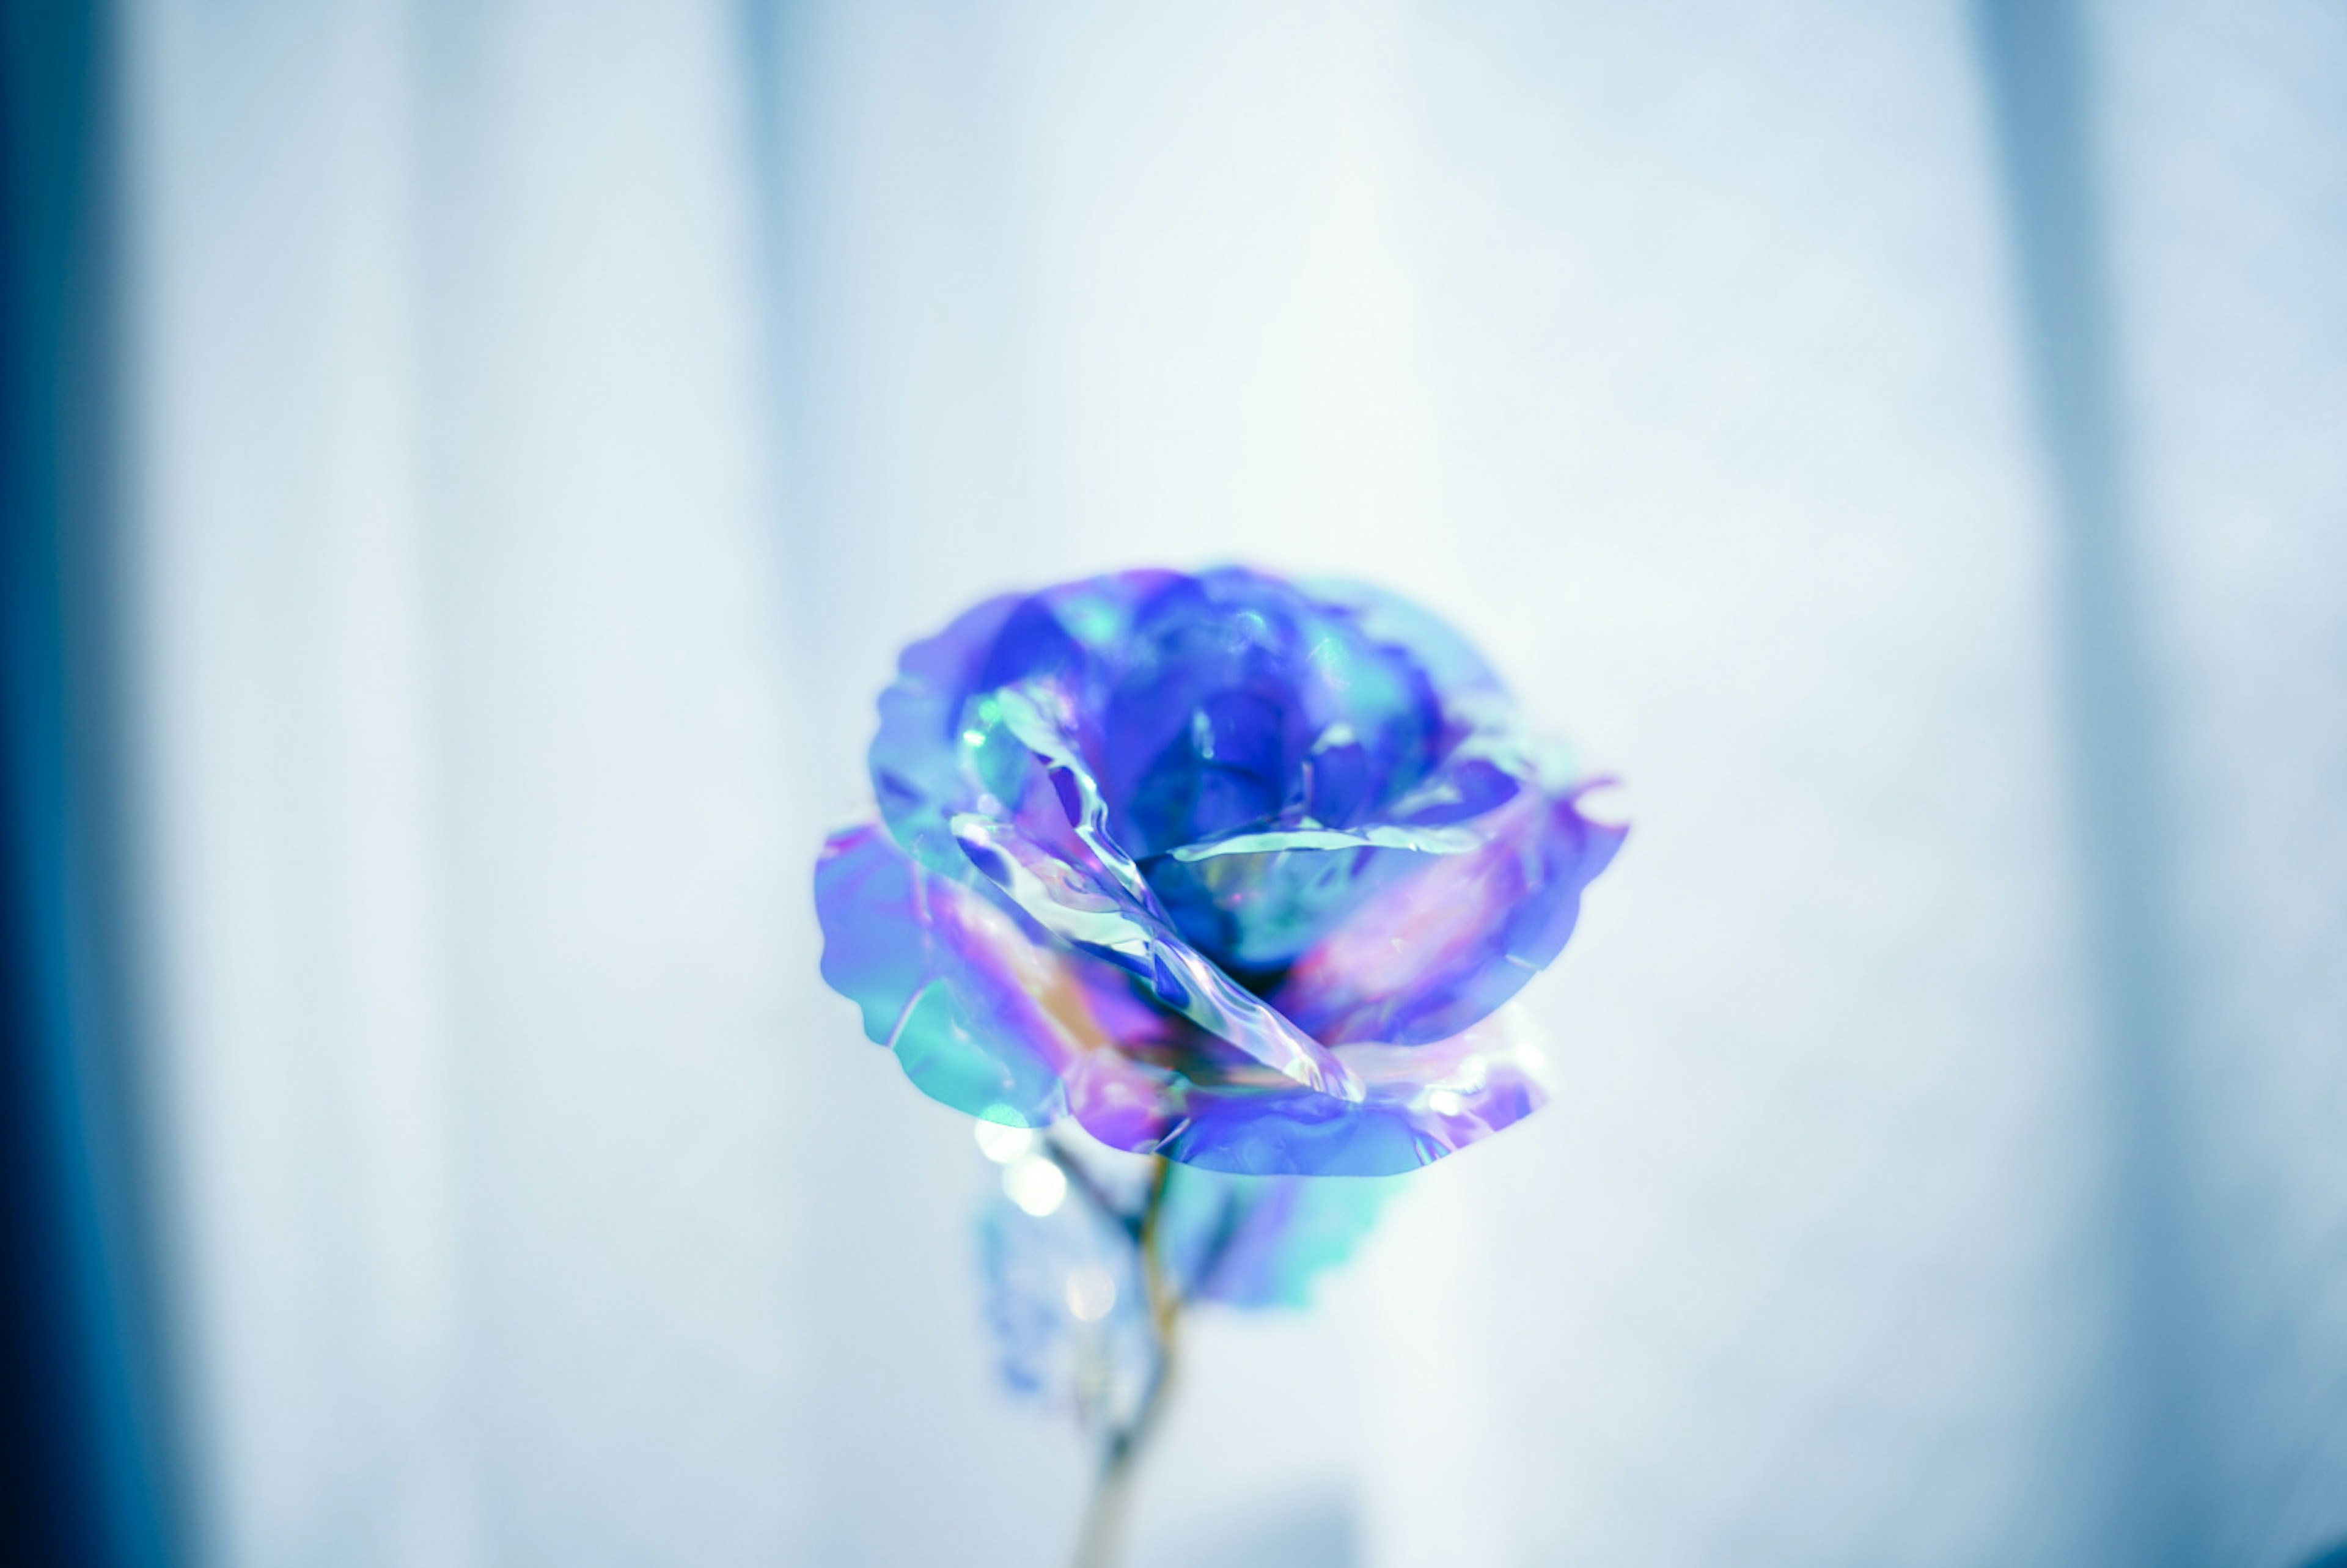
[
  {"x": 2042, "y": 93},
  {"x": 1902, "y": 442},
  {"x": 83, "y": 1389}
]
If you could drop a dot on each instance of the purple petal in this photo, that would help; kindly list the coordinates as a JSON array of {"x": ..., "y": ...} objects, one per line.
[
  {"x": 1419, "y": 1103},
  {"x": 980, "y": 1011},
  {"x": 916, "y": 759},
  {"x": 1429, "y": 955},
  {"x": 1237, "y": 870}
]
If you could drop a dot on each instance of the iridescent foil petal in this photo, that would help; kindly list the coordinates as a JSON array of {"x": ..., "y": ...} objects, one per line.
[
  {"x": 1240, "y": 701},
  {"x": 940, "y": 746},
  {"x": 1419, "y": 1103},
  {"x": 1092, "y": 897},
  {"x": 1456, "y": 673},
  {"x": 1235, "y": 870},
  {"x": 981, "y": 1014},
  {"x": 917, "y": 762},
  {"x": 1429, "y": 955}
]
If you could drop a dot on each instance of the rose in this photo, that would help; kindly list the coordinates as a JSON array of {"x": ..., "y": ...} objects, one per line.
[{"x": 1230, "y": 870}]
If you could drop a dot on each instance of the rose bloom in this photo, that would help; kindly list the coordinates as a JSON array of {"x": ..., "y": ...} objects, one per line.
[{"x": 1230, "y": 870}]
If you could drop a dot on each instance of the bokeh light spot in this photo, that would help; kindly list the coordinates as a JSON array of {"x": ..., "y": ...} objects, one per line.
[
  {"x": 1091, "y": 1292},
  {"x": 1004, "y": 1144},
  {"x": 1035, "y": 1184}
]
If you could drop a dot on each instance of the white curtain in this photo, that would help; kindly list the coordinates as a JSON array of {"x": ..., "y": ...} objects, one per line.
[{"x": 555, "y": 416}]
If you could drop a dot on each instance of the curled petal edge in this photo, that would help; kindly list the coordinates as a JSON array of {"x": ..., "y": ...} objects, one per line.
[
  {"x": 1093, "y": 896},
  {"x": 1427, "y": 956},
  {"x": 1419, "y": 1103},
  {"x": 981, "y": 1015},
  {"x": 990, "y": 1016}
]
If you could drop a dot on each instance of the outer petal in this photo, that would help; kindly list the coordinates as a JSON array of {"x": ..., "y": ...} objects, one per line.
[
  {"x": 1427, "y": 957},
  {"x": 982, "y": 1014},
  {"x": 917, "y": 762},
  {"x": 1387, "y": 906},
  {"x": 1419, "y": 1103},
  {"x": 1459, "y": 676},
  {"x": 932, "y": 757}
]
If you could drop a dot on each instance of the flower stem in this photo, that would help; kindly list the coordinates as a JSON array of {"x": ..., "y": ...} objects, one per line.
[{"x": 1102, "y": 1541}]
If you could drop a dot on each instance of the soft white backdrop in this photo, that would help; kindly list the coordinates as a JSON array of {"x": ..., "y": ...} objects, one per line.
[{"x": 554, "y": 417}]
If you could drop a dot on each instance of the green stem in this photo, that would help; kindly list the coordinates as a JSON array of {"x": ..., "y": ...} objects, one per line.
[{"x": 1101, "y": 1542}]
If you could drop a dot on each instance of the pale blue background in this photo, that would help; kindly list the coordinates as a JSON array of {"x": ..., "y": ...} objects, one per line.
[{"x": 551, "y": 417}]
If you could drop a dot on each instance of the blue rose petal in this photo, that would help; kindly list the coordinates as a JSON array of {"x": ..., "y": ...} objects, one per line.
[{"x": 1233, "y": 870}]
